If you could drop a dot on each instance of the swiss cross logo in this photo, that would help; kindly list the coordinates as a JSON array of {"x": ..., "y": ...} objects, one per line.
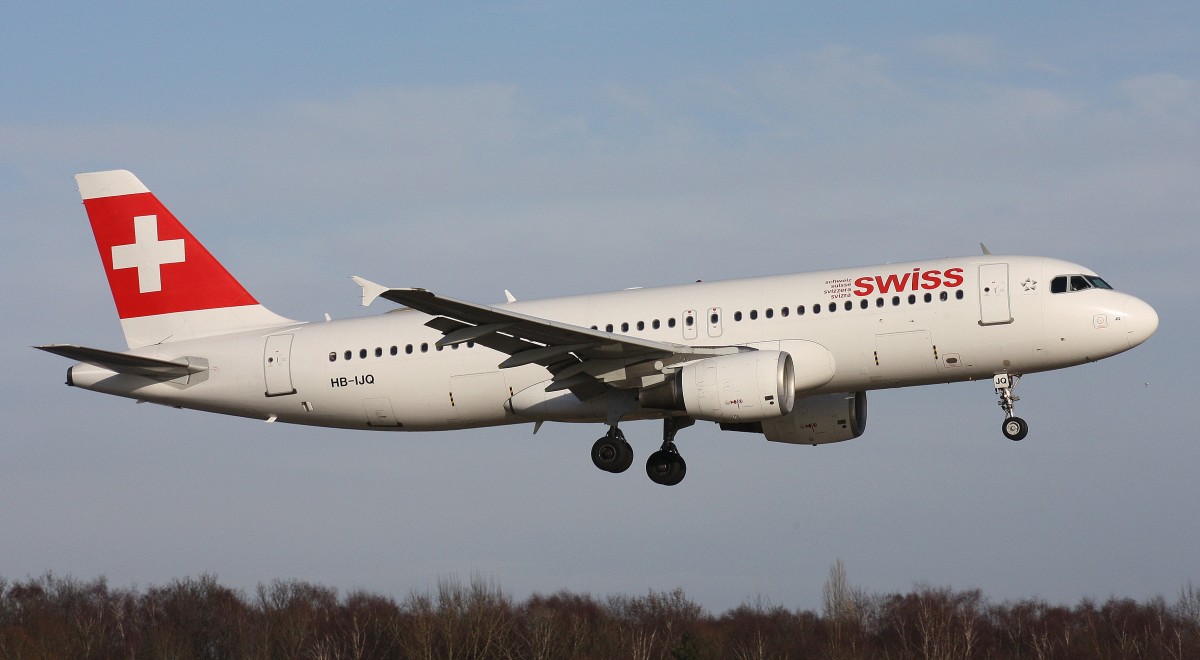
[{"x": 147, "y": 254}]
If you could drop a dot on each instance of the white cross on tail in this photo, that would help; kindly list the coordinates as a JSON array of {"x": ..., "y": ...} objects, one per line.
[{"x": 147, "y": 254}]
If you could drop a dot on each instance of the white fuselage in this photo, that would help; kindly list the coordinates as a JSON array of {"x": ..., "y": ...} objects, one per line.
[{"x": 885, "y": 326}]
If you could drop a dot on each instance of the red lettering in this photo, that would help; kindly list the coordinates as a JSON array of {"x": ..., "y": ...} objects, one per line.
[
  {"x": 914, "y": 281},
  {"x": 892, "y": 282},
  {"x": 932, "y": 279}
]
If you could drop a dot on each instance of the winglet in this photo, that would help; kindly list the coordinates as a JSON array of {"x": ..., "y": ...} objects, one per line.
[{"x": 370, "y": 290}]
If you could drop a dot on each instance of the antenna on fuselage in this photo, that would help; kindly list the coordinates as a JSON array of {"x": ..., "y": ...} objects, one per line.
[{"x": 984, "y": 248}]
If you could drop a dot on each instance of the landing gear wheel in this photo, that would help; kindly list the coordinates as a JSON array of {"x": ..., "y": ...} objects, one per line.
[
  {"x": 666, "y": 467},
  {"x": 625, "y": 459},
  {"x": 612, "y": 454},
  {"x": 1015, "y": 428}
]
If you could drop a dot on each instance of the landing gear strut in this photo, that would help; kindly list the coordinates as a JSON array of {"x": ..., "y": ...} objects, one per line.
[
  {"x": 612, "y": 453},
  {"x": 1014, "y": 427},
  {"x": 666, "y": 466}
]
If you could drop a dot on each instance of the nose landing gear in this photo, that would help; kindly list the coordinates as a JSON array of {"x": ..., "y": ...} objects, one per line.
[{"x": 1014, "y": 427}]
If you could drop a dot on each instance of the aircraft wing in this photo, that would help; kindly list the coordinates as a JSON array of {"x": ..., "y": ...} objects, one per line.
[
  {"x": 124, "y": 363},
  {"x": 583, "y": 360}
]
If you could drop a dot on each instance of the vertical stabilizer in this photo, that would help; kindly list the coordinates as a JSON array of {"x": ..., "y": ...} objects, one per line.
[{"x": 166, "y": 285}]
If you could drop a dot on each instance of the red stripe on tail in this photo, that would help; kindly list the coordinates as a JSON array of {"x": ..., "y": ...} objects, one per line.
[{"x": 152, "y": 275}]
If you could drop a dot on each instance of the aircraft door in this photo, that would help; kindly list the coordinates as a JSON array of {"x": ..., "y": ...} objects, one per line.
[
  {"x": 714, "y": 321},
  {"x": 993, "y": 295},
  {"x": 689, "y": 324},
  {"x": 277, "y": 365},
  {"x": 379, "y": 412}
]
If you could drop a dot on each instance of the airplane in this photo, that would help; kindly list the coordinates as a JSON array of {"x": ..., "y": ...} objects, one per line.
[{"x": 789, "y": 357}]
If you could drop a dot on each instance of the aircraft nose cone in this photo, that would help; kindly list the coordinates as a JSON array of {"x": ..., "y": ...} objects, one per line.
[{"x": 1140, "y": 322}]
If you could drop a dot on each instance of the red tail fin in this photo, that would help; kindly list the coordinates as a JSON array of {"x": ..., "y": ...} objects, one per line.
[{"x": 166, "y": 285}]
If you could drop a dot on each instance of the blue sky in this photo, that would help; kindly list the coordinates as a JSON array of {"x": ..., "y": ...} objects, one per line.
[{"x": 558, "y": 148}]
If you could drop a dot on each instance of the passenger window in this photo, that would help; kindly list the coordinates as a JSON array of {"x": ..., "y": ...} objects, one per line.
[
  {"x": 944, "y": 296},
  {"x": 912, "y": 299},
  {"x": 783, "y": 311},
  {"x": 608, "y": 328},
  {"x": 754, "y": 315},
  {"x": 770, "y": 313},
  {"x": 349, "y": 355},
  {"x": 671, "y": 322},
  {"x": 958, "y": 294},
  {"x": 654, "y": 324},
  {"x": 879, "y": 302},
  {"x": 424, "y": 347},
  {"x": 378, "y": 352},
  {"x": 714, "y": 318},
  {"x": 394, "y": 350},
  {"x": 624, "y": 327},
  {"x": 737, "y": 316},
  {"x": 929, "y": 297},
  {"x": 641, "y": 325},
  {"x": 895, "y": 301},
  {"x": 800, "y": 310},
  {"x": 333, "y": 356},
  {"x": 362, "y": 353},
  {"x": 863, "y": 304},
  {"x": 408, "y": 349},
  {"x": 816, "y": 309},
  {"x": 833, "y": 307}
]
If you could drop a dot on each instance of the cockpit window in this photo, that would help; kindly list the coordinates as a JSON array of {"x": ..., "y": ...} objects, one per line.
[{"x": 1064, "y": 283}]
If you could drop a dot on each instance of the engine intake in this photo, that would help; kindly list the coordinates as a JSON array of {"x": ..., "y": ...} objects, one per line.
[{"x": 743, "y": 387}]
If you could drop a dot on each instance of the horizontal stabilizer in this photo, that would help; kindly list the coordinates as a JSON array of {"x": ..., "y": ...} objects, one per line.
[{"x": 123, "y": 363}]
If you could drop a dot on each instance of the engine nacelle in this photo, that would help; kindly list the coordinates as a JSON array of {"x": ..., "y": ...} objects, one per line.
[
  {"x": 743, "y": 387},
  {"x": 816, "y": 420}
]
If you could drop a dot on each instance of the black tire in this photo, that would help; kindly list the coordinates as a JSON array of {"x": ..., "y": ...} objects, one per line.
[
  {"x": 625, "y": 459},
  {"x": 1015, "y": 428},
  {"x": 666, "y": 468},
  {"x": 607, "y": 454}
]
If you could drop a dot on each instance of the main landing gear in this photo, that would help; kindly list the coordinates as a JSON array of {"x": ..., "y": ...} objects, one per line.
[
  {"x": 612, "y": 453},
  {"x": 1014, "y": 427},
  {"x": 666, "y": 466}
]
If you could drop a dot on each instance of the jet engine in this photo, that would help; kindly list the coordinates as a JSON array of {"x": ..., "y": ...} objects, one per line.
[
  {"x": 743, "y": 387},
  {"x": 816, "y": 420}
]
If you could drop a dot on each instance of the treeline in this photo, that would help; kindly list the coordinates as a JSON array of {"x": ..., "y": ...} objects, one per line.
[{"x": 55, "y": 617}]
